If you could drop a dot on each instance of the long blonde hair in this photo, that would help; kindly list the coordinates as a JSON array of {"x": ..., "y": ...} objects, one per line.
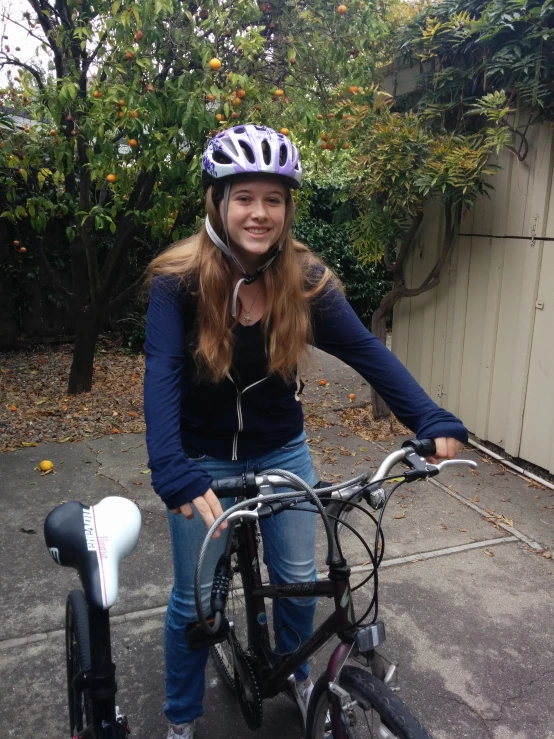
[{"x": 291, "y": 283}]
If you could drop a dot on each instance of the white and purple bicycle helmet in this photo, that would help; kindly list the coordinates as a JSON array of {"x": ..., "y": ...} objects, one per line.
[
  {"x": 247, "y": 150},
  {"x": 251, "y": 150}
]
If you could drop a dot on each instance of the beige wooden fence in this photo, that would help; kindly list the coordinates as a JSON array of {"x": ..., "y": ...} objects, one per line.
[{"x": 482, "y": 342}]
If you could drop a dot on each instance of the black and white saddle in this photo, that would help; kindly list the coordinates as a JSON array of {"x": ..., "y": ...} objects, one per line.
[{"x": 93, "y": 540}]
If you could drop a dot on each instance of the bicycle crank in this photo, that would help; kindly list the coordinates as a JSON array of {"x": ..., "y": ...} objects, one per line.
[{"x": 247, "y": 686}]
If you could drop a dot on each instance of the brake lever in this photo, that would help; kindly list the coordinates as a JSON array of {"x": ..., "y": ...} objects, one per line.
[
  {"x": 453, "y": 462},
  {"x": 421, "y": 469}
]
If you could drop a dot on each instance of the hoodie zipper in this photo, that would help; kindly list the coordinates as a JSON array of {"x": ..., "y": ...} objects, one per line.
[{"x": 240, "y": 425}]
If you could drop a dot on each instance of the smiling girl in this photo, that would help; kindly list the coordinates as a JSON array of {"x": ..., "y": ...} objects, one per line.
[{"x": 233, "y": 311}]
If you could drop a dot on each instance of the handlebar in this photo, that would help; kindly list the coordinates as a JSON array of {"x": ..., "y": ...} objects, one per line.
[
  {"x": 262, "y": 501},
  {"x": 413, "y": 453}
]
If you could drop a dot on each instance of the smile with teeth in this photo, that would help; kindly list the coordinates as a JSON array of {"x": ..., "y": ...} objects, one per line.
[{"x": 258, "y": 231}]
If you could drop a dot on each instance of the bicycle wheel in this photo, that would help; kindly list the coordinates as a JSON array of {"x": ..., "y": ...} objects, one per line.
[
  {"x": 77, "y": 651},
  {"x": 239, "y": 611},
  {"x": 378, "y": 713}
]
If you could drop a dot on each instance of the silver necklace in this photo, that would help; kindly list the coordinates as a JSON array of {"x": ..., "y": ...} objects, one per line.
[{"x": 247, "y": 318}]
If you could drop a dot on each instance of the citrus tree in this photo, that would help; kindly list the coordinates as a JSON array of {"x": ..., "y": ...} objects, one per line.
[{"x": 132, "y": 92}]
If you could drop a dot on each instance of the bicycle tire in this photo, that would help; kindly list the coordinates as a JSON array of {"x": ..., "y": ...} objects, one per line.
[
  {"x": 386, "y": 716},
  {"x": 77, "y": 654},
  {"x": 240, "y": 612}
]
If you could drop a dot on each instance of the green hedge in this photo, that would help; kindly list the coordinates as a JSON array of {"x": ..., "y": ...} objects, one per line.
[{"x": 364, "y": 285}]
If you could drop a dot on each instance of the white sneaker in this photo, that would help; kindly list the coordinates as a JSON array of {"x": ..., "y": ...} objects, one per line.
[
  {"x": 181, "y": 731},
  {"x": 305, "y": 689}
]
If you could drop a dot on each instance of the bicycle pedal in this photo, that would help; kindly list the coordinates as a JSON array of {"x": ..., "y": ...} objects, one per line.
[{"x": 197, "y": 638}]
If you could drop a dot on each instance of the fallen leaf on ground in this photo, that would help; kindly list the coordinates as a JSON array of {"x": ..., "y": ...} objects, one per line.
[
  {"x": 463, "y": 530},
  {"x": 475, "y": 499},
  {"x": 401, "y": 515},
  {"x": 444, "y": 526},
  {"x": 489, "y": 553},
  {"x": 547, "y": 555}
]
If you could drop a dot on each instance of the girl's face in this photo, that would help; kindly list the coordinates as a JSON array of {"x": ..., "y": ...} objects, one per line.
[{"x": 255, "y": 218}]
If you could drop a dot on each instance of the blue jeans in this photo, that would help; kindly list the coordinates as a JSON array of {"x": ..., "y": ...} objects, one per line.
[{"x": 289, "y": 553}]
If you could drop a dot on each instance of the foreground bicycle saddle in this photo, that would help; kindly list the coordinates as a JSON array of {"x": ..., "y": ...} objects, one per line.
[{"x": 93, "y": 540}]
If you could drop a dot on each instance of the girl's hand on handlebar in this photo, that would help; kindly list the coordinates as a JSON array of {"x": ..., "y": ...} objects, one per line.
[
  {"x": 447, "y": 448},
  {"x": 208, "y": 506}
]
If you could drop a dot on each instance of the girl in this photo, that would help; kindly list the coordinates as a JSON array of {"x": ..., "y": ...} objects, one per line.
[{"x": 232, "y": 312}]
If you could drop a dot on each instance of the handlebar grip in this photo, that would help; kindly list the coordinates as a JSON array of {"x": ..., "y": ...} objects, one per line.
[
  {"x": 233, "y": 487},
  {"x": 423, "y": 447}
]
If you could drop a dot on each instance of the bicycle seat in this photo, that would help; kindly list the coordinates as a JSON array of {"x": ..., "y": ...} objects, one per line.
[{"x": 93, "y": 540}]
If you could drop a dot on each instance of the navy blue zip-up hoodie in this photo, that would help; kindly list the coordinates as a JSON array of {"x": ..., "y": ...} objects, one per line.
[{"x": 186, "y": 416}]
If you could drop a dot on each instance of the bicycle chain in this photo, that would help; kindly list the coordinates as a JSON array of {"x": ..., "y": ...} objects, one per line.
[{"x": 251, "y": 707}]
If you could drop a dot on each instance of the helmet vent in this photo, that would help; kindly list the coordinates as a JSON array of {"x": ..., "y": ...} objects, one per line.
[
  {"x": 282, "y": 155},
  {"x": 239, "y": 129},
  {"x": 248, "y": 153},
  {"x": 221, "y": 158},
  {"x": 266, "y": 151}
]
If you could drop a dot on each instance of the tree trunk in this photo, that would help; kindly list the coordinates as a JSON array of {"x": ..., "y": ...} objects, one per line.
[
  {"x": 86, "y": 333},
  {"x": 379, "y": 329}
]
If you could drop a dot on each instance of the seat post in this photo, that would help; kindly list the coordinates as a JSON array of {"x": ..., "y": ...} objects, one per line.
[{"x": 102, "y": 683}]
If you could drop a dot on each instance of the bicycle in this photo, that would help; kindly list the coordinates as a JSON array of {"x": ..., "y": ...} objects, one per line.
[
  {"x": 242, "y": 652},
  {"x": 93, "y": 540}
]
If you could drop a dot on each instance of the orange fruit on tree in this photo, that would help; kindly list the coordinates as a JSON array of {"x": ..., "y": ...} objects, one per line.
[
  {"x": 111, "y": 178},
  {"x": 284, "y": 131},
  {"x": 215, "y": 64},
  {"x": 211, "y": 98},
  {"x": 331, "y": 147},
  {"x": 324, "y": 145},
  {"x": 53, "y": 132},
  {"x": 150, "y": 87},
  {"x": 353, "y": 89},
  {"x": 23, "y": 250},
  {"x": 346, "y": 145},
  {"x": 292, "y": 60},
  {"x": 342, "y": 9},
  {"x": 121, "y": 103},
  {"x": 16, "y": 243},
  {"x": 236, "y": 101},
  {"x": 121, "y": 114},
  {"x": 257, "y": 107},
  {"x": 128, "y": 56},
  {"x": 234, "y": 114},
  {"x": 138, "y": 35},
  {"x": 323, "y": 136},
  {"x": 279, "y": 93},
  {"x": 219, "y": 117},
  {"x": 133, "y": 142},
  {"x": 97, "y": 94},
  {"x": 241, "y": 93},
  {"x": 134, "y": 114}
]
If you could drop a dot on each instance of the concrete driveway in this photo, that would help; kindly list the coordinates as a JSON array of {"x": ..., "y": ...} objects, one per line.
[{"x": 465, "y": 591}]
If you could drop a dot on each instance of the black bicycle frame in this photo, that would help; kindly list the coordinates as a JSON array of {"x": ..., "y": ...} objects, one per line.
[
  {"x": 101, "y": 679},
  {"x": 340, "y": 622}
]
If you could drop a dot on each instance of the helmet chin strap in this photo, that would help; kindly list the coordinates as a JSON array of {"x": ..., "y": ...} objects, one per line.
[{"x": 226, "y": 249}]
